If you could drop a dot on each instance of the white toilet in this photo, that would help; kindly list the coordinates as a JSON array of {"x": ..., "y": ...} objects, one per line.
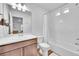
[{"x": 43, "y": 46}]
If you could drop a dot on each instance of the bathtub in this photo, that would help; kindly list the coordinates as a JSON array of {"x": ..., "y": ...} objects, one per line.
[{"x": 64, "y": 49}]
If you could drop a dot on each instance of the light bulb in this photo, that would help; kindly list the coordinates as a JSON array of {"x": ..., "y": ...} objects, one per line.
[
  {"x": 24, "y": 8},
  {"x": 66, "y": 10},
  {"x": 57, "y": 14},
  {"x": 13, "y": 5},
  {"x": 19, "y": 6}
]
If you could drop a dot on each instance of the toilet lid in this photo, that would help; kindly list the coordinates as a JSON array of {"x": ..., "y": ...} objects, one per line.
[{"x": 44, "y": 45}]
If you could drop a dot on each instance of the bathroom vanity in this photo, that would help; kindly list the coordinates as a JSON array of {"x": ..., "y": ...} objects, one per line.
[
  {"x": 19, "y": 46},
  {"x": 16, "y": 44}
]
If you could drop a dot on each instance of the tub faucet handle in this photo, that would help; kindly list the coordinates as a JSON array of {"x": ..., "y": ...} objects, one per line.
[
  {"x": 77, "y": 39},
  {"x": 76, "y": 43}
]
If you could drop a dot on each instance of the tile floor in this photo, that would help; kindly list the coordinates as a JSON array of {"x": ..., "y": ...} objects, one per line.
[{"x": 51, "y": 53}]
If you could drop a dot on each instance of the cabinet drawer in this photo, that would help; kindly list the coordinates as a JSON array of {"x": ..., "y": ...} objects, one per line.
[
  {"x": 16, "y": 52},
  {"x": 16, "y": 45}
]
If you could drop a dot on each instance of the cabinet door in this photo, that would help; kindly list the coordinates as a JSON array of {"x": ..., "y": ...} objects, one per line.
[
  {"x": 30, "y": 50},
  {"x": 16, "y": 52}
]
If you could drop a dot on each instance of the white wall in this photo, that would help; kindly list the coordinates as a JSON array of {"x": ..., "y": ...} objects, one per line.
[
  {"x": 6, "y": 12},
  {"x": 1, "y": 8},
  {"x": 37, "y": 19},
  {"x": 65, "y": 28},
  {"x": 51, "y": 27}
]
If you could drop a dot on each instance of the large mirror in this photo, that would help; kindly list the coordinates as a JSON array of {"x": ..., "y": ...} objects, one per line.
[
  {"x": 19, "y": 21},
  {"x": 15, "y": 20}
]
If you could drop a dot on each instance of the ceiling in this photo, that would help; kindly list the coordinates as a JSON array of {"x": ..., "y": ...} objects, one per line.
[{"x": 49, "y": 6}]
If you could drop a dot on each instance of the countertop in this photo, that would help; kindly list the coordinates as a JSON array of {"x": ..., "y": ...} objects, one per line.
[{"x": 15, "y": 38}]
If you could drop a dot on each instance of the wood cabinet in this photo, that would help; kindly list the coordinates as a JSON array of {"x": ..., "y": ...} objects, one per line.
[
  {"x": 16, "y": 52},
  {"x": 22, "y": 48},
  {"x": 28, "y": 49}
]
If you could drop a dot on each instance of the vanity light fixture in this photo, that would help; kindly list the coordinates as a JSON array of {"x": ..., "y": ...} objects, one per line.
[
  {"x": 19, "y": 6},
  {"x": 66, "y": 11}
]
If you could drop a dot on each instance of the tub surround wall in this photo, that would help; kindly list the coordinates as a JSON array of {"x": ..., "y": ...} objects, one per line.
[
  {"x": 64, "y": 28},
  {"x": 67, "y": 30}
]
